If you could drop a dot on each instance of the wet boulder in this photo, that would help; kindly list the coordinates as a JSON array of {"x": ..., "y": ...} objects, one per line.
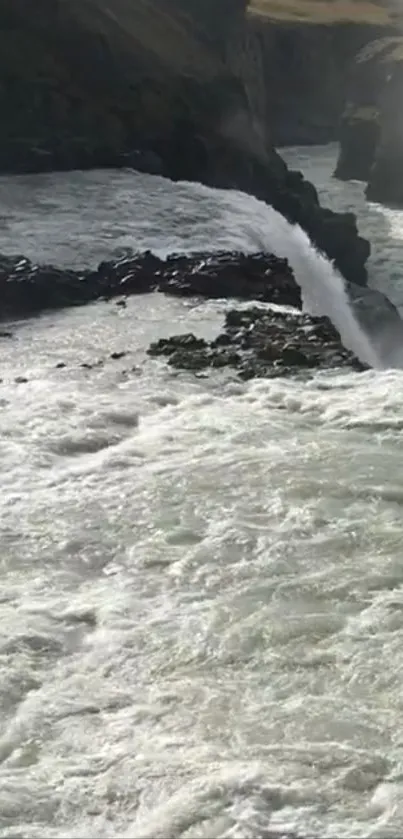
[
  {"x": 135, "y": 274},
  {"x": 168, "y": 346},
  {"x": 258, "y": 342},
  {"x": 257, "y": 276}
]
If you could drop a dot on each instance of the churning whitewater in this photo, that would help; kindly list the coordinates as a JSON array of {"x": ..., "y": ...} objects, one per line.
[
  {"x": 323, "y": 288},
  {"x": 201, "y": 599}
]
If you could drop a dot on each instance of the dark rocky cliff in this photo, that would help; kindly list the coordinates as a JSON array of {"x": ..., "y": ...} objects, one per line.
[
  {"x": 82, "y": 83},
  {"x": 192, "y": 89},
  {"x": 371, "y": 143},
  {"x": 385, "y": 180}
]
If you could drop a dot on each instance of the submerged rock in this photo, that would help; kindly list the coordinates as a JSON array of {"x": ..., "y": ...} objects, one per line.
[
  {"x": 385, "y": 180},
  {"x": 258, "y": 342},
  {"x": 116, "y": 356},
  {"x": 27, "y": 289},
  {"x": 360, "y": 128}
]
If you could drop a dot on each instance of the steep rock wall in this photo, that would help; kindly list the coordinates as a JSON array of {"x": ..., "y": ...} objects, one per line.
[{"x": 184, "y": 89}]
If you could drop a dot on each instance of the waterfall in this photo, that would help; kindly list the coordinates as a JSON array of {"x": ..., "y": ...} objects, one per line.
[{"x": 257, "y": 226}]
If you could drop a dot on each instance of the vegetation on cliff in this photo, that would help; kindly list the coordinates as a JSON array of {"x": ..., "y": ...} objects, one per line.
[{"x": 375, "y": 12}]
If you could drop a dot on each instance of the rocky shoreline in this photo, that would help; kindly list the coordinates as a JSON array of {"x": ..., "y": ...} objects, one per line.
[
  {"x": 27, "y": 289},
  {"x": 255, "y": 342},
  {"x": 259, "y": 343}
]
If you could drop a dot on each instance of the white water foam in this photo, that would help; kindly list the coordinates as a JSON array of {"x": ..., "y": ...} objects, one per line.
[{"x": 201, "y": 623}]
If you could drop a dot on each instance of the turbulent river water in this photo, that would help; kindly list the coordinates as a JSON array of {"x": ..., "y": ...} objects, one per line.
[{"x": 201, "y": 591}]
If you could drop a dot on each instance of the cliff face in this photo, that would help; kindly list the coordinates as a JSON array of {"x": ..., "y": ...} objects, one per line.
[
  {"x": 308, "y": 48},
  {"x": 85, "y": 81},
  {"x": 305, "y": 73},
  {"x": 372, "y": 136},
  {"x": 385, "y": 181},
  {"x": 82, "y": 84},
  {"x": 185, "y": 88}
]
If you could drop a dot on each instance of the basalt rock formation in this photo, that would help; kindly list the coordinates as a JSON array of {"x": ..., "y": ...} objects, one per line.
[
  {"x": 371, "y": 143},
  {"x": 385, "y": 181},
  {"x": 195, "y": 90},
  {"x": 27, "y": 289},
  {"x": 259, "y": 343},
  {"x": 360, "y": 129}
]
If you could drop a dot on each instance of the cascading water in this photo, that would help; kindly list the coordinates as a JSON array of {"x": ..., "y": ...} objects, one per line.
[{"x": 323, "y": 288}]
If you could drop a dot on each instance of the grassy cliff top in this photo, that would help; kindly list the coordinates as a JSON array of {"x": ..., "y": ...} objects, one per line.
[
  {"x": 375, "y": 12},
  {"x": 156, "y": 34}
]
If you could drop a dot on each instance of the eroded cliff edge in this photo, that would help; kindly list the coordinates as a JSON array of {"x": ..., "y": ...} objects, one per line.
[{"x": 184, "y": 88}]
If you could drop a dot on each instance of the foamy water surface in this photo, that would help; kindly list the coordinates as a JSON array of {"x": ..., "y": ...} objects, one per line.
[{"x": 201, "y": 599}]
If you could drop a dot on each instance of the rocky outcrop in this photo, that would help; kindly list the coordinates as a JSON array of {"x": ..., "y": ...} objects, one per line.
[
  {"x": 259, "y": 343},
  {"x": 360, "y": 126},
  {"x": 371, "y": 140},
  {"x": 27, "y": 289},
  {"x": 385, "y": 181},
  {"x": 381, "y": 320}
]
